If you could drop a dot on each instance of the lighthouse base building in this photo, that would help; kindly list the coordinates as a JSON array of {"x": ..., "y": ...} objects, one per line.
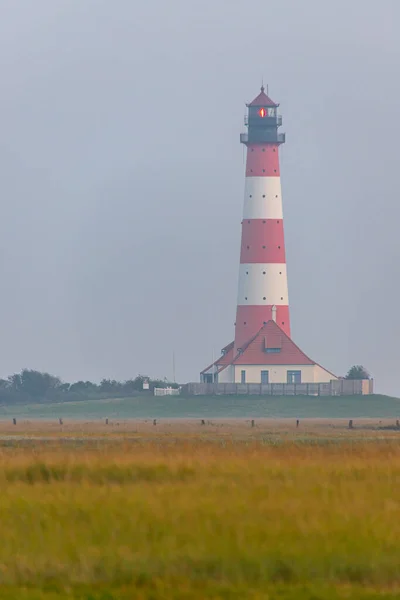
[
  {"x": 263, "y": 351},
  {"x": 270, "y": 356}
]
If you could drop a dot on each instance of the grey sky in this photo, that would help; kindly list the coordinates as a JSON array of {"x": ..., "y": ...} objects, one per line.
[{"x": 122, "y": 179}]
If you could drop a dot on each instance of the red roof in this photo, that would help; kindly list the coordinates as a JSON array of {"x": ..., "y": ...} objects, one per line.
[
  {"x": 225, "y": 360},
  {"x": 269, "y": 337},
  {"x": 272, "y": 337},
  {"x": 262, "y": 100}
]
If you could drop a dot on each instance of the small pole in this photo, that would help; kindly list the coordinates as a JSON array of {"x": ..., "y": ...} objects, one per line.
[
  {"x": 154, "y": 421},
  {"x": 14, "y": 421},
  {"x": 60, "y": 421},
  {"x": 297, "y": 423},
  {"x": 252, "y": 422},
  {"x": 203, "y": 422},
  {"x": 397, "y": 423},
  {"x": 351, "y": 424},
  {"x": 107, "y": 421}
]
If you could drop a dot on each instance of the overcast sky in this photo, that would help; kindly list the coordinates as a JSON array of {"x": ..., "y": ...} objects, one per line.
[{"x": 122, "y": 176}]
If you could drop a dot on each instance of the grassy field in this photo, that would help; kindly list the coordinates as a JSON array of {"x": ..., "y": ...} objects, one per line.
[
  {"x": 194, "y": 516},
  {"x": 212, "y": 407}
]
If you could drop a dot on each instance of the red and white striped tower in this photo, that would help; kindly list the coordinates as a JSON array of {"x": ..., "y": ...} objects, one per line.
[{"x": 263, "y": 288}]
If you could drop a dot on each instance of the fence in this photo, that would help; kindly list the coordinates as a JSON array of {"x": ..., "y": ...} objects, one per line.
[
  {"x": 340, "y": 387},
  {"x": 167, "y": 391}
]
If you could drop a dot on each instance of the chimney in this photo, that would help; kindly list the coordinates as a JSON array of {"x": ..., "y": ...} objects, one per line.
[{"x": 273, "y": 311}]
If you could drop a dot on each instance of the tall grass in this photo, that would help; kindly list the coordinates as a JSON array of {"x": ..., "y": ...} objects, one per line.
[{"x": 195, "y": 519}]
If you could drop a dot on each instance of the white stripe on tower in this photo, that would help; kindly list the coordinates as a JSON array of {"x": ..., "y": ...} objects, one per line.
[{"x": 262, "y": 274}]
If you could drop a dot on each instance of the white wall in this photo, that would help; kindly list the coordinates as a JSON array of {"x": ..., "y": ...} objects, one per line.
[
  {"x": 227, "y": 375},
  {"x": 255, "y": 286},
  {"x": 262, "y": 198},
  {"x": 278, "y": 373}
]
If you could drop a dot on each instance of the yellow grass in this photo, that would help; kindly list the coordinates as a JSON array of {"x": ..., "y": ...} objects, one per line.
[{"x": 199, "y": 517}]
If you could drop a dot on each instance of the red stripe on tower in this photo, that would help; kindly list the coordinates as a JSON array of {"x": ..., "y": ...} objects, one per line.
[{"x": 262, "y": 289}]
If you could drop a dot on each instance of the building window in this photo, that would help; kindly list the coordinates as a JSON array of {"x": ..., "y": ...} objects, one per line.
[
  {"x": 242, "y": 376},
  {"x": 272, "y": 350},
  {"x": 265, "y": 377},
  {"x": 294, "y": 376}
]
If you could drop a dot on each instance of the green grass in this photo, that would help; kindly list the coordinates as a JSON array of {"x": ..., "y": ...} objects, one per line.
[
  {"x": 151, "y": 407},
  {"x": 194, "y": 519}
]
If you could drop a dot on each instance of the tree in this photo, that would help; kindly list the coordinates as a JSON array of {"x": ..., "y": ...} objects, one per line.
[
  {"x": 37, "y": 384},
  {"x": 358, "y": 372}
]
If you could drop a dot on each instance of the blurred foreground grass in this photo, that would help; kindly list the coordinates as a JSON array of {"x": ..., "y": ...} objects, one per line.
[{"x": 197, "y": 519}]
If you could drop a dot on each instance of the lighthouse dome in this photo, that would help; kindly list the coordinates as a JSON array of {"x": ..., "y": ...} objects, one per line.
[{"x": 262, "y": 100}]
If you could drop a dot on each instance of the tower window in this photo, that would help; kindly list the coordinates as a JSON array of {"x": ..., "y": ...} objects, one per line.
[
  {"x": 263, "y": 170},
  {"x": 281, "y": 297},
  {"x": 274, "y": 170},
  {"x": 263, "y": 272},
  {"x": 264, "y": 247},
  {"x": 247, "y": 272},
  {"x": 248, "y": 222},
  {"x": 245, "y": 323},
  {"x": 245, "y": 298},
  {"x": 263, "y": 149},
  {"x": 274, "y": 149},
  {"x": 250, "y": 196},
  {"x": 263, "y": 195},
  {"x": 279, "y": 247},
  {"x": 276, "y": 196},
  {"x": 264, "y": 222},
  {"x": 264, "y": 298},
  {"x": 248, "y": 247}
]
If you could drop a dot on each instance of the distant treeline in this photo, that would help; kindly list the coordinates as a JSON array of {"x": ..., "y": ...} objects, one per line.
[{"x": 34, "y": 386}]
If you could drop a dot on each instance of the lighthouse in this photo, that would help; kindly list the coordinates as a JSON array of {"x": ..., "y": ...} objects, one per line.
[
  {"x": 262, "y": 350},
  {"x": 263, "y": 287}
]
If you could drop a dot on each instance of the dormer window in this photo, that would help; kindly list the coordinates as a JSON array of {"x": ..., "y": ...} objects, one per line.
[{"x": 272, "y": 350}]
